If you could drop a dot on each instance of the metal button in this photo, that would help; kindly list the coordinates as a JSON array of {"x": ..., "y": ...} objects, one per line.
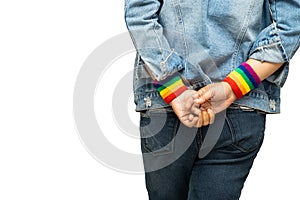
[
  {"x": 273, "y": 104},
  {"x": 148, "y": 102}
]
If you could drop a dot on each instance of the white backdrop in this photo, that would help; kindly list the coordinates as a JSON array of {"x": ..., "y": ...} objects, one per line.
[{"x": 43, "y": 45}]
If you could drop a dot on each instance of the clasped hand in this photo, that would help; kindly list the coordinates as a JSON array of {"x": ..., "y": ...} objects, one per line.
[{"x": 198, "y": 108}]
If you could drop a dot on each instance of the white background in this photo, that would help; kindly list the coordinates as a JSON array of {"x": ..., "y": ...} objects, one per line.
[{"x": 43, "y": 45}]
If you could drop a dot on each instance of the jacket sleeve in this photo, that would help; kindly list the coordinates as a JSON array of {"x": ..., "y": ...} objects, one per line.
[
  {"x": 141, "y": 17},
  {"x": 279, "y": 41}
]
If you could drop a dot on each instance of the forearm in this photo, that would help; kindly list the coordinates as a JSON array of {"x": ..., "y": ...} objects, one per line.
[
  {"x": 249, "y": 75},
  {"x": 263, "y": 69},
  {"x": 237, "y": 84}
]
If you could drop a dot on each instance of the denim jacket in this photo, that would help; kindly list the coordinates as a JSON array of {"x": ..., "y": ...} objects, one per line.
[{"x": 204, "y": 40}]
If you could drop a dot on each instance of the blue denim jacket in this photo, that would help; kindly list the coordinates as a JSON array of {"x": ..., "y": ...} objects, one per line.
[{"x": 204, "y": 40}]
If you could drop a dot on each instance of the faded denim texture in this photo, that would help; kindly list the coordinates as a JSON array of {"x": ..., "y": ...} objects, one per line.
[{"x": 205, "y": 40}]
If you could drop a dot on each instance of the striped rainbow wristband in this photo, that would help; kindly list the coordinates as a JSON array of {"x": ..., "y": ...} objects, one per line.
[
  {"x": 170, "y": 88},
  {"x": 242, "y": 80}
]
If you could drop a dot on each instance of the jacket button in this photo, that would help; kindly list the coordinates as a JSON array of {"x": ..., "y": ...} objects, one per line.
[
  {"x": 148, "y": 102},
  {"x": 273, "y": 104}
]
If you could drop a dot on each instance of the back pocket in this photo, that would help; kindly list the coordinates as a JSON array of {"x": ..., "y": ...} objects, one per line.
[
  {"x": 158, "y": 129},
  {"x": 247, "y": 129}
]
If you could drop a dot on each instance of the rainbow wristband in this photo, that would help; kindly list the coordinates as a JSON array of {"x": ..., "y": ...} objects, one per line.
[
  {"x": 170, "y": 88},
  {"x": 242, "y": 80}
]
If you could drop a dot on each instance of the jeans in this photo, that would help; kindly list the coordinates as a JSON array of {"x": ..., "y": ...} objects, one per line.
[{"x": 173, "y": 169}]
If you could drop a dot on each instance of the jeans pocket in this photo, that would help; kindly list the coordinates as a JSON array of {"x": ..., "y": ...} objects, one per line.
[
  {"x": 247, "y": 129},
  {"x": 158, "y": 129}
]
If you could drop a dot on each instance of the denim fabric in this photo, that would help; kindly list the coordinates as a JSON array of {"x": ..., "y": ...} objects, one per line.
[
  {"x": 204, "y": 40},
  {"x": 218, "y": 176}
]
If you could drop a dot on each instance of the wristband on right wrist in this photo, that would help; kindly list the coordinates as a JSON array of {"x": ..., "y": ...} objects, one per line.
[{"x": 242, "y": 80}]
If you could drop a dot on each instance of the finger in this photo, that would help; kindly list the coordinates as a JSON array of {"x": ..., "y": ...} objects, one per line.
[
  {"x": 195, "y": 109},
  {"x": 211, "y": 116},
  {"x": 205, "y": 118},
  {"x": 199, "y": 124},
  {"x": 204, "y": 95},
  {"x": 205, "y": 106},
  {"x": 186, "y": 121},
  {"x": 191, "y": 117},
  {"x": 190, "y": 123},
  {"x": 194, "y": 121},
  {"x": 197, "y": 95}
]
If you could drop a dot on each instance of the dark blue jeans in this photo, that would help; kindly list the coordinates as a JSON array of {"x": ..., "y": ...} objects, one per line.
[{"x": 173, "y": 169}]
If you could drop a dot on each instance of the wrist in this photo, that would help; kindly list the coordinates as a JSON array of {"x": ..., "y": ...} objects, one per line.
[
  {"x": 179, "y": 97},
  {"x": 230, "y": 95},
  {"x": 242, "y": 80},
  {"x": 170, "y": 88}
]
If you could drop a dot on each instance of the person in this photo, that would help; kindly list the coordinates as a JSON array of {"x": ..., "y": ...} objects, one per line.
[{"x": 207, "y": 69}]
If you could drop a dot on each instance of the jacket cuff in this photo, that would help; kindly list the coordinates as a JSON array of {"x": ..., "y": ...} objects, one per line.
[
  {"x": 161, "y": 64},
  {"x": 268, "y": 46}
]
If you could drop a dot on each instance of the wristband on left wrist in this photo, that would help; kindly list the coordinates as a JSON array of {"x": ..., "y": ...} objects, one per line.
[{"x": 170, "y": 88}]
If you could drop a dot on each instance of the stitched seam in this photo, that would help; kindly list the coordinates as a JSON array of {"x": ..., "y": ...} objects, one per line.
[
  {"x": 181, "y": 21},
  {"x": 242, "y": 34},
  {"x": 274, "y": 19},
  {"x": 294, "y": 48}
]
